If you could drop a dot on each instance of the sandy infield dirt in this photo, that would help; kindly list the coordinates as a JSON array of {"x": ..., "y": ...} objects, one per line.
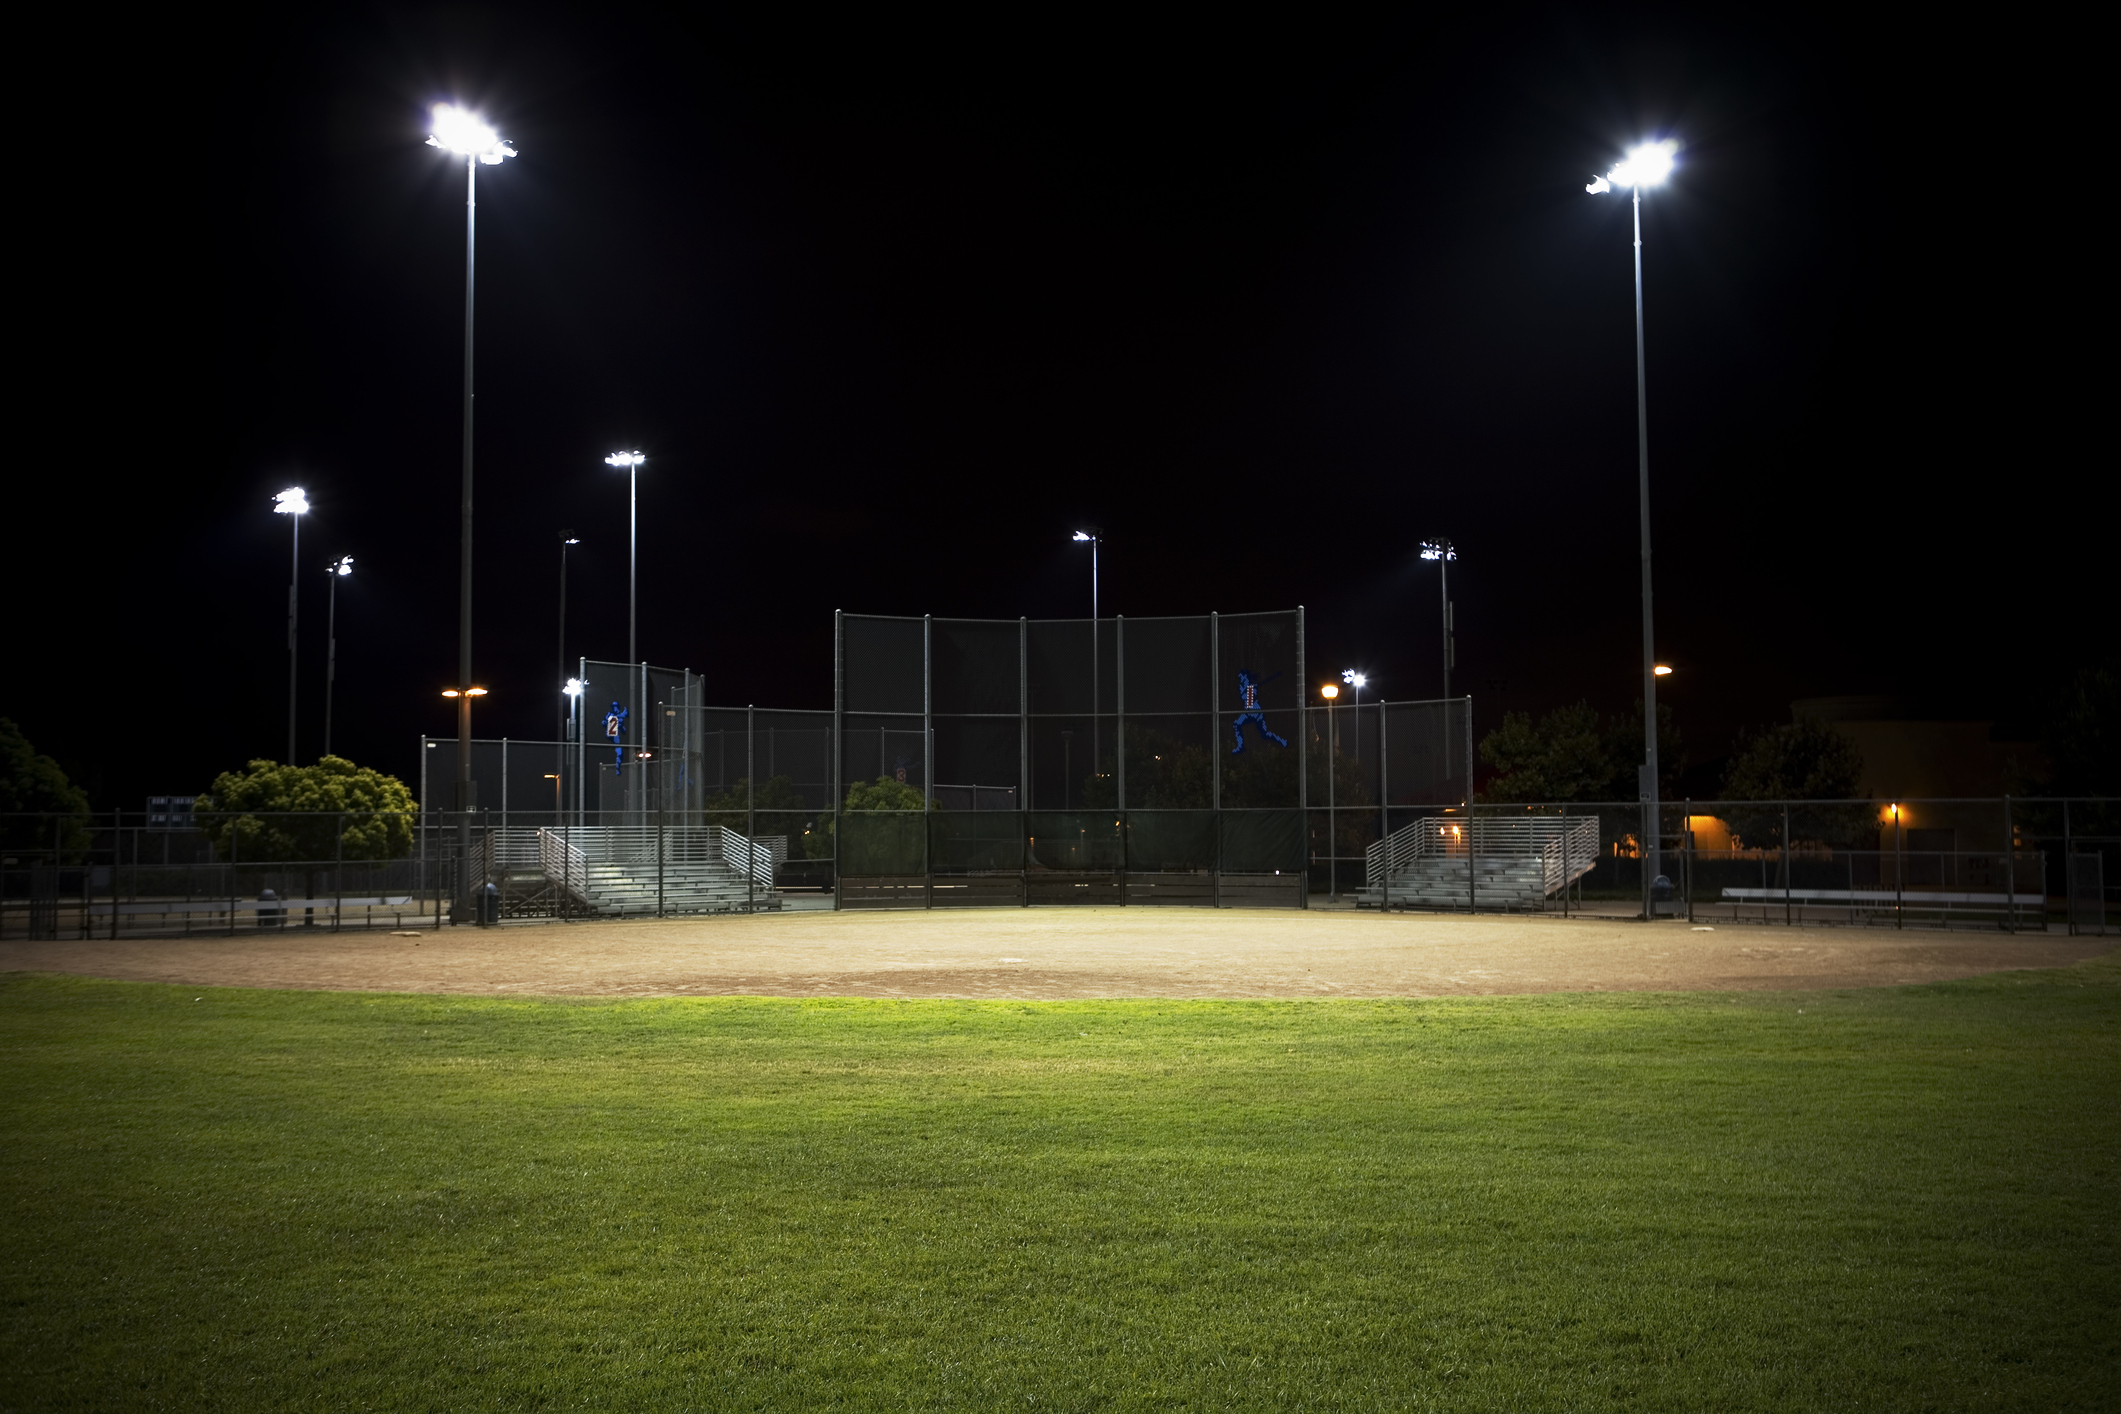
[{"x": 1053, "y": 954}]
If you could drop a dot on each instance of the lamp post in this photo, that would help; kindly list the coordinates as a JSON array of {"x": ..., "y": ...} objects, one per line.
[
  {"x": 1644, "y": 166},
  {"x": 1443, "y": 552},
  {"x": 1096, "y": 701},
  {"x": 573, "y": 693},
  {"x": 567, "y": 538},
  {"x": 338, "y": 569},
  {"x": 1358, "y": 681},
  {"x": 1331, "y": 691},
  {"x": 293, "y": 504},
  {"x": 461, "y": 133},
  {"x": 631, "y": 462}
]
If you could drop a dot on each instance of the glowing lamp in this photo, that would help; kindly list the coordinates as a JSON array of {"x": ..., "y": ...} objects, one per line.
[
  {"x": 1329, "y": 691},
  {"x": 1643, "y": 166},
  {"x": 1663, "y": 670},
  {"x": 460, "y": 131},
  {"x": 294, "y": 501}
]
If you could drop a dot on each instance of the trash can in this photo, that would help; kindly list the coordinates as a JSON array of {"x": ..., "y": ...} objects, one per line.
[
  {"x": 489, "y": 905},
  {"x": 1661, "y": 896},
  {"x": 269, "y": 917}
]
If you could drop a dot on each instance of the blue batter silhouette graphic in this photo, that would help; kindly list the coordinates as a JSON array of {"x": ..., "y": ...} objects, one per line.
[
  {"x": 1248, "y": 694},
  {"x": 615, "y": 728}
]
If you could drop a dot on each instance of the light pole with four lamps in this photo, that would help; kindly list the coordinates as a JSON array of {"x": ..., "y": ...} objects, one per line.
[
  {"x": 1096, "y": 703},
  {"x": 461, "y": 133},
  {"x": 1644, "y": 166},
  {"x": 338, "y": 569},
  {"x": 293, "y": 504}
]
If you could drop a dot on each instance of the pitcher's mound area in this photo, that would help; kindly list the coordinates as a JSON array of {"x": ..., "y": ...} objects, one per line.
[{"x": 1054, "y": 953}]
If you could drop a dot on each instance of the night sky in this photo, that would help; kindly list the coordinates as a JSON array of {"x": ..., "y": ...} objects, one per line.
[{"x": 894, "y": 303}]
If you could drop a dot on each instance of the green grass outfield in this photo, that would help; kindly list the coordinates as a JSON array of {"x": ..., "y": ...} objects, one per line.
[{"x": 1891, "y": 1199}]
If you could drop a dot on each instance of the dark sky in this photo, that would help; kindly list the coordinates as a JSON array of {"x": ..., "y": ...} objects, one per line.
[{"x": 894, "y": 303}]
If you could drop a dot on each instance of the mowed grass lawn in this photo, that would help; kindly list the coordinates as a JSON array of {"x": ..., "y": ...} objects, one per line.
[{"x": 1893, "y": 1199}]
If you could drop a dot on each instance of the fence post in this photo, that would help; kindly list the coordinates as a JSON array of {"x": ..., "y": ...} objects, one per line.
[
  {"x": 751, "y": 818},
  {"x": 928, "y": 757},
  {"x": 1786, "y": 914},
  {"x": 2010, "y": 873},
  {"x": 338, "y": 870}
]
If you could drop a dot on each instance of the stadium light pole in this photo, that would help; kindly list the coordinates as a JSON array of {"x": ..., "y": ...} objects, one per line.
[
  {"x": 338, "y": 569},
  {"x": 1096, "y": 702},
  {"x": 1644, "y": 166},
  {"x": 461, "y": 133},
  {"x": 293, "y": 504},
  {"x": 567, "y": 538},
  {"x": 1358, "y": 681},
  {"x": 630, "y": 462},
  {"x": 1443, "y": 552}
]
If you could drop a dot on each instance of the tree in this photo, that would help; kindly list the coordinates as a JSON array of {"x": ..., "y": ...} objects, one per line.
[
  {"x": 1566, "y": 756},
  {"x": 782, "y": 804},
  {"x": 1164, "y": 774},
  {"x": 270, "y": 813},
  {"x": 37, "y": 801},
  {"x": 886, "y": 794},
  {"x": 1799, "y": 761},
  {"x": 2084, "y": 735}
]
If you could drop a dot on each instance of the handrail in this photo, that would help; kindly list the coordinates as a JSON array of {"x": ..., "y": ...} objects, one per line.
[
  {"x": 574, "y": 851},
  {"x": 1566, "y": 846}
]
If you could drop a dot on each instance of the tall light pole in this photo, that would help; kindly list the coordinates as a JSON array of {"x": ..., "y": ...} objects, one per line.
[
  {"x": 1443, "y": 552},
  {"x": 567, "y": 538},
  {"x": 460, "y": 132},
  {"x": 1358, "y": 681},
  {"x": 1096, "y": 702},
  {"x": 338, "y": 569},
  {"x": 631, "y": 462},
  {"x": 293, "y": 504},
  {"x": 1644, "y": 166}
]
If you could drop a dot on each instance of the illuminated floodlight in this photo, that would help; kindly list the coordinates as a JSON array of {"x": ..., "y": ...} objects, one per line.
[
  {"x": 342, "y": 566},
  {"x": 1438, "y": 550},
  {"x": 574, "y": 687},
  {"x": 460, "y": 131},
  {"x": 1084, "y": 535},
  {"x": 1354, "y": 679},
  {"x": 451, "y": 692},
  {"x": 622, "y": 460},
  {"x": 1663, "y": 670},
  {"x": 294, "y": 501},
  {"x": 1644, "y": 166},
  {"x": 476, "y": 692},
  {"x": 1329, "y": 691}
]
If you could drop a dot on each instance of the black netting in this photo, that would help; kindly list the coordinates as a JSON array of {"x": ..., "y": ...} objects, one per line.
[
  {"x": 883, "y": 842},
  {"x": 973, "y": 841},
  {"x": 1060, "y": 666},
  {"x": 1170, "y": 759},
  {"x": 1073, "y": 839},
  {"x": 881, "y": 664},
  {"x": 1427, "y": 750},
  {"x": 1262, "y": 841},
  {"x": 1159, "y": 840}
]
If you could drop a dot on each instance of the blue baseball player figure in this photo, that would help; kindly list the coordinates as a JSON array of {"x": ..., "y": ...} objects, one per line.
[
  {"x": 615, "y": 728},
  {"x": 1248, "y": 693}
]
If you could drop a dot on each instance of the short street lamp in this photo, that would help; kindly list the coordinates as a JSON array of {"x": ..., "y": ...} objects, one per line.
[
  {"x": 338, "y": 569},
  {"x": 1644, "y": 166},
  {"x": 1331, "y": 691},
  {"x": 293, "y": 504}
]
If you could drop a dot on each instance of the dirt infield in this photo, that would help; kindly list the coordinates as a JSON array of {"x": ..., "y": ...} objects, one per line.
[{"x": 1033, "y": 954}]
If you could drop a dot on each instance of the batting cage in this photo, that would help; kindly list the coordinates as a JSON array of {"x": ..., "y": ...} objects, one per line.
[{"x": 968, "y": 762}]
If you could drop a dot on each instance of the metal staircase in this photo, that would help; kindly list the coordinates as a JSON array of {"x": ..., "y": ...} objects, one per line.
[
  {"x": 620, "y": 870},
  {"x": 1450, "y": 861}
]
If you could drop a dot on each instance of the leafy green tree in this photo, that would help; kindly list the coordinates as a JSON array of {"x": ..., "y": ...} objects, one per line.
[
  {"x": 32, "y": 783},
  {"x": 779, "y": 810},
  {"x": 1798, "y": 761},
  {"x": 272, "y": 814},
  {"x": 1163, "y": 774},
  {"x": 2084, "y": 737},
  {"x": 886, "y": 794},
  {"x": 1567, "y": 755}
]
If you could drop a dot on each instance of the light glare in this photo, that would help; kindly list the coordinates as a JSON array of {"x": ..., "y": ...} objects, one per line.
[
  {"x": 457, "y": 130},
  {"x": 1329, "y": 691},
  {"x": 1663, "y": 670},
  {"x": 343, "y": 566},
  {"x": 1084, "y": 535},
  {"x": 622, "y": 459},
  {"x": 291, "y": 502},
  {"x": 1438, "y": 550},
  {"x": 1644, "y": 166}
]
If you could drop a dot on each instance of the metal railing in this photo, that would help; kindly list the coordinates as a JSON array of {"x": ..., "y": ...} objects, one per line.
[
  {"x": 570, "y": 853},
  {"x": 1565, "y": 846}
]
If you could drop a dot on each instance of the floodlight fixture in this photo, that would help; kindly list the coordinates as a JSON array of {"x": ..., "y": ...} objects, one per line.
[
  {"x": 451, "y": 692},
  {"x": 461, "y": 131},
  {"x": 1645, "y": 165},
  {"x": 1438, "y": 550},
  {"x": 574, "y": 687},
  {"x": 1329, "y": 691},
  {"x": 1663, "y": 670},
  {"x": 294, "y": 501},
  {"x": 1082, "y": 535},
  {"x": 1356, "y": 680},
  {"x": 624, "y": 459},
  {"x": 570, "y": 540},
  {"x": 475, "y": 692},
  {"x": 342, "y": 566}
]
